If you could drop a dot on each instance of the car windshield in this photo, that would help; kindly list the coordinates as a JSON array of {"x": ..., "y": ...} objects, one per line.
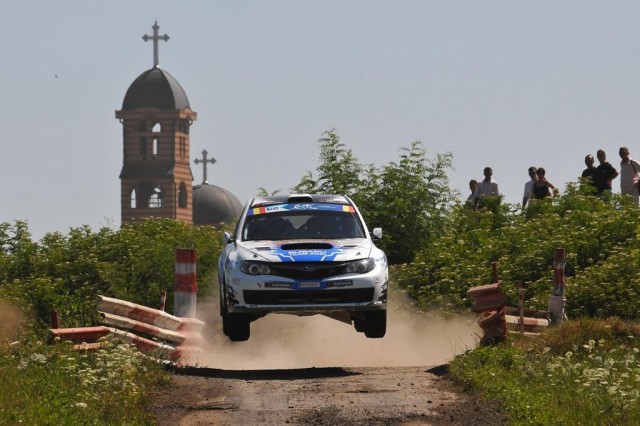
[{"x": 296, "y": 224}]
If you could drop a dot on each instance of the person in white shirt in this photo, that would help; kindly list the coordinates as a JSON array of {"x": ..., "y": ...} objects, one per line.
[
  {"x": 629, "y": 169},
  {"x": 487, "y": 187},
  {"x": 528, "y": 186}
]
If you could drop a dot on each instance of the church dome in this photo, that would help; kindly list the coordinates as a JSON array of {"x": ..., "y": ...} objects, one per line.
[
  {"x": 213, "y": 205},
  {"x": 155, "y": 88}
]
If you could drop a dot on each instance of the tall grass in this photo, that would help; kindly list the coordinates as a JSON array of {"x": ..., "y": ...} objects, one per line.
[
  {"x": 45, "y": 384},
  {"x": 584, "y": 372}
]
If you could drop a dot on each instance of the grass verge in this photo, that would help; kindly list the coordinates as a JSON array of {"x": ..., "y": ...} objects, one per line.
[
  {"x": 583, "y": 372},
  {"x": 44, "y": 384}
]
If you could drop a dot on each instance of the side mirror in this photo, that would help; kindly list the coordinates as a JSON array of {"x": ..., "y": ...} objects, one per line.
[
  {"x": 226, "y": 238},
  {"x": 377, "y": 232}
]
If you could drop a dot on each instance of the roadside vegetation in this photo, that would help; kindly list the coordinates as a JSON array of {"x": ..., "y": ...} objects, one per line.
[
  {"x": 583, "y": 372},
  {"x": 46, "y": 383},
  {"x": 586, "y": 371}
]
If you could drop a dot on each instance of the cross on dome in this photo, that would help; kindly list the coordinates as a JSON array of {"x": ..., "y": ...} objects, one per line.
[
  {"x": 155, "y": 37},
  {"x": 204, "y": 162}
]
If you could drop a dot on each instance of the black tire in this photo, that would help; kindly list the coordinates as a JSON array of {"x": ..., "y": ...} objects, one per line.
[
  {"x": 358, "y": 324},
  {"x": 225, "y": 323},
  {"x": 223, "y": 312},
  {"x": 375, "y": 324},
  {"x": 238, "y": 327}
]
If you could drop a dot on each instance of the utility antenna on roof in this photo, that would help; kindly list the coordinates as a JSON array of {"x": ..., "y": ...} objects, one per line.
[
  {"x": 155, "y": 37},
  {"x": 204, "y": 162}
]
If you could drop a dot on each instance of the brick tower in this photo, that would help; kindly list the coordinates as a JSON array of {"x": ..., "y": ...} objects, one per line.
[{"x": 156, "y": 179}]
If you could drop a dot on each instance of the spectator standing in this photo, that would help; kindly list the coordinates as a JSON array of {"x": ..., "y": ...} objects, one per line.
[
  {"x": 542, "y": 188},
  {"x": 528, "y": 186},
  {"x": 589, "y": 174},
  {"x": 629, "y": 169},
  {"x": 605, "y": 174},
  {"x": 473, "y": 184},
  {"x": 487, "y": 187}
]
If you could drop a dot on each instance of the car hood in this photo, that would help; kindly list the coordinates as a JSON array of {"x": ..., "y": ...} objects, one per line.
[{"x": 305, "y": 250}]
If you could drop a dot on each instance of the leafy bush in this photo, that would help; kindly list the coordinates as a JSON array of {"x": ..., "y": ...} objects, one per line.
[
  {"x": 600, "y": 237},
  {"x": 65, "y": 273}
]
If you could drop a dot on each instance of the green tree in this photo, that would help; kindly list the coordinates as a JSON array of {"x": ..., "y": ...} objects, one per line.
[
  {"x": 339, "y": 171},
  {"x": 409, "y": 200}
]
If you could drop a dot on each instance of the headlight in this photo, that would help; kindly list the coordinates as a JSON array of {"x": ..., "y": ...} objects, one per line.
[
  {"x": 253, "y": 268},
  {"x": 361, "y": 266}
]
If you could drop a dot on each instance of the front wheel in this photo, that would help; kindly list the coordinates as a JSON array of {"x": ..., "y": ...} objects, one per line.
[
  {"x": 238, "y": 326},
  {"x": 375, "y": 324}
]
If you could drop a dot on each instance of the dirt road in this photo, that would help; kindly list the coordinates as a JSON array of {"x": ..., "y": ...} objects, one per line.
[
  {"x": 319, "y": 396},
  {"x": 318, "y": 371}
]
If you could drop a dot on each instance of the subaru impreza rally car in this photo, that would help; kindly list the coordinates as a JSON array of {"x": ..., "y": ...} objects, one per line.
[{"x": 302, "y": 255}]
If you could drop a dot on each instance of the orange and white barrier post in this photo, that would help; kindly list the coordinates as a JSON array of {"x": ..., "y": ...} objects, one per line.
[
  {"x": 186, "y": 286},
  {"x": 557, "y": 299},
  {"x": 521, "y": 305}
]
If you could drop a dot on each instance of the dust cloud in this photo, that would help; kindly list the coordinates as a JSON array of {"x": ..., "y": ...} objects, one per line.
[
  {"x": 281, "y": 341},
  {"x": 11, "y": 321}
]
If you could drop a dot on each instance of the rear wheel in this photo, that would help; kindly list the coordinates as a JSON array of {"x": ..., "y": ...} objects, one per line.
[
  {"x": 375, "y": 324},
  {"x": 238, "y": 326},
  {"x": 358, "y": 324}
]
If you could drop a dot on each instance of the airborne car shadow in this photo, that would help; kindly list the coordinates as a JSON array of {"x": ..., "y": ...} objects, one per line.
[{"x": 282, "y": 374}]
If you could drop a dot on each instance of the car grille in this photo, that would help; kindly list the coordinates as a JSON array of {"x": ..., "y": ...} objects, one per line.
[
  {"x": 289, "y": 297},
  {"x": 307, "y": 270}
]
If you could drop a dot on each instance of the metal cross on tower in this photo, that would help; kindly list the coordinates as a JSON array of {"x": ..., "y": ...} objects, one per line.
[
  {"x": 204, "y": 162},
  {"x": 155, "y": 37}
]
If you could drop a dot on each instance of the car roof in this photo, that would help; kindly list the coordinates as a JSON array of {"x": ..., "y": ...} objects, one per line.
[{"x": 299, "y": 198}]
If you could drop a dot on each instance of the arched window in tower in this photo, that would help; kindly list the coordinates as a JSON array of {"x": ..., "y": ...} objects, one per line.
[
  {"x": 155, "y": 148},
  {"x": 182, "y": 196},
  {"x": 156, "y": 128},
  {"x": 134, "y": 204},
  {"x": 155, "y": 200},
  {"x": 182, "y": 148}
]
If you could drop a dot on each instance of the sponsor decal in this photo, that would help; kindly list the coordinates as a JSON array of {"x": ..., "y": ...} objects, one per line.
[
  {"x": 339, "y": 284},
  {"x": 308, "y": 206},
  {"x": 312, "y": 284},
  {"x": 307, "y": 255},
  {"x": 277, "y": 285}
]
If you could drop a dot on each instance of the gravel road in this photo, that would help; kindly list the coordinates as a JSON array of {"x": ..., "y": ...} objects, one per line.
[
  {"x": 318, "y": 371},
  {"x": 320, "y": 396}
]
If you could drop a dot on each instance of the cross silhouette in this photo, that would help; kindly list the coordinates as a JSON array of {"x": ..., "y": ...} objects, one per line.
[
  {"x": 155, "y": 37},
  {"x": 204, "y": 162}
]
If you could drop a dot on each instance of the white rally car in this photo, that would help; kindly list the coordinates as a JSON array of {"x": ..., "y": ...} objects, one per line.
[{"x": 302, "y": 255}]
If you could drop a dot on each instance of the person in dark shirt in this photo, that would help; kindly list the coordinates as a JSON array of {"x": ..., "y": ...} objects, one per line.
[
  {"x": 589, "y": 174},
  {"x": 605, "y": 174},
  {"x": 542, "y": 188}
]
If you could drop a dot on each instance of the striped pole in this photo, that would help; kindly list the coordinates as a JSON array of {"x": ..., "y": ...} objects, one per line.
[
  {"x": 557, "y": 299},
  {"x": 186, "y": 286},
  {"x": 521, "y": 306}
]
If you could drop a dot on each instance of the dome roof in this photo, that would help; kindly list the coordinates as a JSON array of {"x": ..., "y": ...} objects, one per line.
[
  {"x": 155, "y": 88},
  {"x": 213, "y": 205}
]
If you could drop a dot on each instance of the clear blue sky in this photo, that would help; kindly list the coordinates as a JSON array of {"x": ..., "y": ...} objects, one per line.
[{"x": 506, "y": 84}]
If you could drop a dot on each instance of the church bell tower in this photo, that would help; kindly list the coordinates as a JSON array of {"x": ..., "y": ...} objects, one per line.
[{"x": 156, "y": 179}]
